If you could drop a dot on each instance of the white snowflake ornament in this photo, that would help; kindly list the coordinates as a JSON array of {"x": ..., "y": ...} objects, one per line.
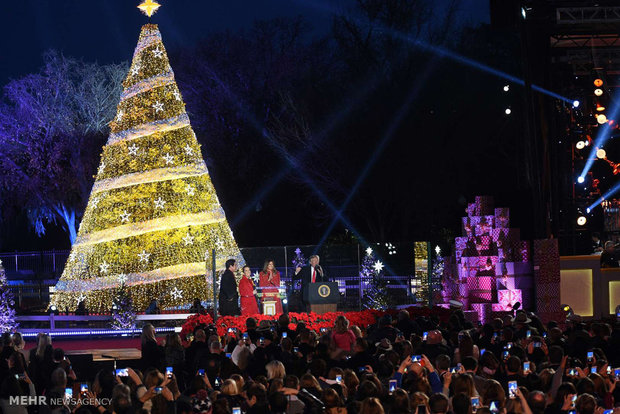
[
  {"x": 158, "y": 106},
  {"x": 144, "y": 256},
  {"x": 176, "y": 293},
  {"x": 133, "y": 149},
  {"x": 125, "y": 217},
  {"x": 157, "y": 52},
  {"x": 159, "y": 203},
  {"x": 169, "y": 159},
  {"x": 188, "y": 239}
]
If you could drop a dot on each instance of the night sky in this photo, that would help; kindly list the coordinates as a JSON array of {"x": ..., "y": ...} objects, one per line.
[{"x": 107, "y": 30}]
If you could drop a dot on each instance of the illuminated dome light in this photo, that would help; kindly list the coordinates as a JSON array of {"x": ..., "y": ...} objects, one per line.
[
  {"x": 508, "y": 111},
  {"x": 601, "y": 118},
  {"x": 598, "y": 83},
  {"x": 600, "y": 108},
  {"x": 580, "y": 144},
  {"x": 506, "y": 88},
  {"x": 580, "y": 179},
  {"x": 575, "y": 104},
  {"x": 598, "y": 92},
  {"x": 601, "y": 153},
  {"x": 581, "y": 220}
]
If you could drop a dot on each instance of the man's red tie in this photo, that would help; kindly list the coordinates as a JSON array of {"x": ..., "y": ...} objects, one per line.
[{"x": 313, "y": 275}]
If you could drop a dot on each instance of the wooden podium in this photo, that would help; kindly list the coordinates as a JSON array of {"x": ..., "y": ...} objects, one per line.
[{"x": 323, "y": 297}]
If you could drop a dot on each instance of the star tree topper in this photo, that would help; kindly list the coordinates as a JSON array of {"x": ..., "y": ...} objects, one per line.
[
  {"x": 378, "y": 266},
  {"x": 149, "y": 7}
]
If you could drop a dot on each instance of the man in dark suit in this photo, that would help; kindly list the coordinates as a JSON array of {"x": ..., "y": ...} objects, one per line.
[
  {"x": 229, "y": 297},
  {"x": 313, "y": 273}
]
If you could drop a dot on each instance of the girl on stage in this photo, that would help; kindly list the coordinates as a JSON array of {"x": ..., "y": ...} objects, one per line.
[
  {"x": 269, "y": 281},
  {"x": 248, "y": 293}
]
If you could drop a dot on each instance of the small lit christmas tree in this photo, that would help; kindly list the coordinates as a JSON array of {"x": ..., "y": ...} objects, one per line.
[
  {"x": 374, "y": 285},
  {"x": 7, "y": 313},
  {"x": 299, "y": 260},
  {"x": 123, "y": 312},
  {"x": 437, "y": 276}
]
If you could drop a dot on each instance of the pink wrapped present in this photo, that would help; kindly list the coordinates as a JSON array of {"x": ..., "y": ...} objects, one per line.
[{"x": 507, "y": 298}]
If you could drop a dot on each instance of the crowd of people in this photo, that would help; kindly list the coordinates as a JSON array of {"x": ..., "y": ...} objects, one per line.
[{"x": 407, "y": 365}]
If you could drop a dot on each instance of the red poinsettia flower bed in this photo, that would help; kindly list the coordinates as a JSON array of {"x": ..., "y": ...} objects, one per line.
[{"x": 312, "y": 320}]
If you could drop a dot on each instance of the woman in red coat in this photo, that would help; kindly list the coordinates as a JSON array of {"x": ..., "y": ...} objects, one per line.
[
  {"x": 248, "y": 293},
  {"x": 269, "y": 281}
]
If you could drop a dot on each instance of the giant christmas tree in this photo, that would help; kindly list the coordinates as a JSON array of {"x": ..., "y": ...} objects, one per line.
[{"x": 153, "y": 212}]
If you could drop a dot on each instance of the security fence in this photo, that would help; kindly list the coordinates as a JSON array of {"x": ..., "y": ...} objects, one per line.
[{"x": 375, "y": 275}]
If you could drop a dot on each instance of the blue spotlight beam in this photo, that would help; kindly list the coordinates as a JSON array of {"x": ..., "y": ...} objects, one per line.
[
  {"x": 603, "y": 134},
  {"x": 613, "y": 190},
  {"x": 332, "y": 122},
  {"x": 419, "y": 82},
  {"x": 444, "y": 52},
  {"x": 292, "y": 161}
]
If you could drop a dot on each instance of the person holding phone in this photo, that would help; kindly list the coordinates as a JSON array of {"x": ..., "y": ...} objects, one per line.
[
  {"x": 175, "y": 352},
  {"x": 153, "y": 355},
  {"x": 466, "y": 347}
]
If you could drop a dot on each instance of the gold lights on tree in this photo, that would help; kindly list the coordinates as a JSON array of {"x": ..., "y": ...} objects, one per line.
[
  {"x": 153, "y": 217},
  {"x": 149, "y": 7}
]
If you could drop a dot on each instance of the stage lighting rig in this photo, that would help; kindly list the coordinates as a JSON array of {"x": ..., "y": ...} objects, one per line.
[{"x": 601, "y": 153}]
